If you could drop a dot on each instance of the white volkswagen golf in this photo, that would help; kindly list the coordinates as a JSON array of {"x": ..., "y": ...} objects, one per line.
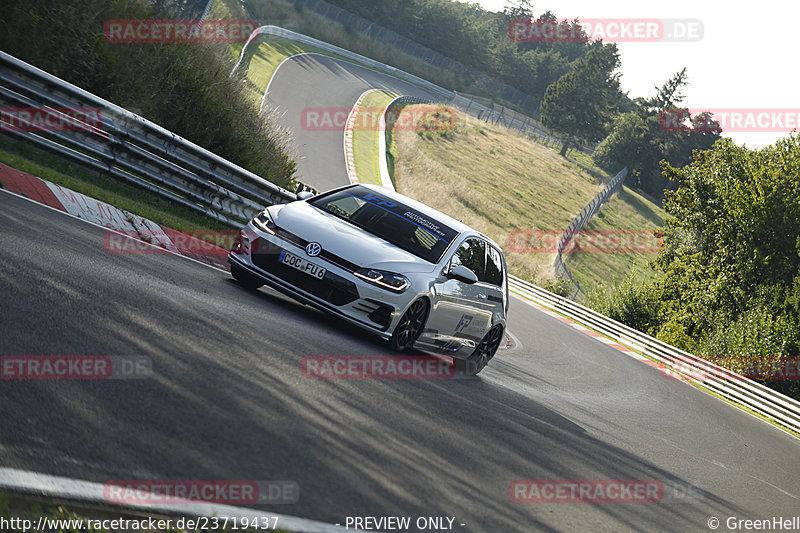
[{"x": 387, "y": 263}]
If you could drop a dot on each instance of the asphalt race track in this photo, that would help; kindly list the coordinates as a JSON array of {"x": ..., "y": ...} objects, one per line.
[
  {"x": 227, "y": 401},
  {"x": 320, "y": 83}
]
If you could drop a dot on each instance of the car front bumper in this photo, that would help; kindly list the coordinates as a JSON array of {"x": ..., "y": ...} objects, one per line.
[{"x": 339, "y": 292}]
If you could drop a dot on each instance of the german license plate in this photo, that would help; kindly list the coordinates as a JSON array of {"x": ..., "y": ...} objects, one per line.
[{"x": 302, "y": 265}]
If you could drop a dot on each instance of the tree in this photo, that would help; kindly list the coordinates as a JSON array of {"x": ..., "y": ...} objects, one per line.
[
  {"x": 730, "y": 290},
  {"x": 671, "y": 93},
  {"x": 478, "y": 39},
  {"x": 656, "y": 129},
  {"x": 578, "y": 105},
  {"x": 522, "y": 9},
  {"x": 733, "y": 228}
]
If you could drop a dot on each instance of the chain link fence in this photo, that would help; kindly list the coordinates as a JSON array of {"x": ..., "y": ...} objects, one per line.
[
  {"x": 559, "y": 267},
  {"x": 384, "y": 35},
  {"x": 490, "y": 111}
]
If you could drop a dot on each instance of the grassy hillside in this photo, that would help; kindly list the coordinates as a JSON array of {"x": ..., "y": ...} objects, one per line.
[
  {"x": 499, "y": 181},
  {"x": 494, "y": 180},
  {"x": 365, "y": 137},
  {"x": 626, "y": 210}
]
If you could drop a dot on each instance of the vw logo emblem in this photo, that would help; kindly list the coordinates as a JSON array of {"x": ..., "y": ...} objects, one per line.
[{"x": 313, "y": 249}]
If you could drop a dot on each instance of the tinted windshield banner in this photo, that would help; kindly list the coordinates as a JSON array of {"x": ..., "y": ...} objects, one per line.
[{"x": 434, "y": 227}]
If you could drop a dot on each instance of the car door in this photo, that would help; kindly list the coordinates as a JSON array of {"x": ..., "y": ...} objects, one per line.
[{"x": 462, "y": 312}]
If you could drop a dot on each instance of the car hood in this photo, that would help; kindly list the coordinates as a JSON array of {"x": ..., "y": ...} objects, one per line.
[{"x": 345, "y": 240}]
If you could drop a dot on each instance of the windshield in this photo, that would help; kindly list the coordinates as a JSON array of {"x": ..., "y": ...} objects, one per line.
[{"x": 390, "y": 220}]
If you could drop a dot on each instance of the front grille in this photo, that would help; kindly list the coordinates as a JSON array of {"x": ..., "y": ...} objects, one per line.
[
  {"x": 332, "y": 288},
  {"x": 328, "y": 256}
]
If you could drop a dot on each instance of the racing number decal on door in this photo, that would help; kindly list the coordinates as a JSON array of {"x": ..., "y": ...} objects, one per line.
[{"x": 464, "y": 322}]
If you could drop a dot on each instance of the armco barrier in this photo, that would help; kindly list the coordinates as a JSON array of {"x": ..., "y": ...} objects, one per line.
[
  {"x": 766, "y": 402},
  {"x": 134, "y": 149},
  {"x": 121, "y": 148},
  {"x": 276, "y": 31},
  {"x": 405, "y": 45},
  {"x": 470, "y": 105}
]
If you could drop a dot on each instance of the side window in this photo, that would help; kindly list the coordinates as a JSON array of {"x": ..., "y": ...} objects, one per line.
[
  {"x": 471, "y": 254},
  {"x": 494, "y": 266}
]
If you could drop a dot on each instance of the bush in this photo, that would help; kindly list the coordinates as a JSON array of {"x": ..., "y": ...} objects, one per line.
[
  {"x": 631, "y": 303},
  {"x": 186, "y": 88},
  {"x": 759, "y": 345},
  {"x": 561, "y": 286},
  {"x": 756, "y": 336},
  {"x": 674, "y": 334},
  {"x": 439, "y": 122}
]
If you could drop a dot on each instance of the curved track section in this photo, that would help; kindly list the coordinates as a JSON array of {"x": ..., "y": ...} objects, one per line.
[
  {"x": 314, "y": 82},
  {"x": 228, "y": 401}
]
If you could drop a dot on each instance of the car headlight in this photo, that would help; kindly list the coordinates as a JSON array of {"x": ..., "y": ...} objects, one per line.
[
  {"x": 263, "y": 221},
  {"x": 386, "y": 280}
]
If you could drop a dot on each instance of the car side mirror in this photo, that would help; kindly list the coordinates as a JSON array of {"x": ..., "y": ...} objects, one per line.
[
  {"x": 305, "y": 195},
  {"x": 462, "y": 273}
]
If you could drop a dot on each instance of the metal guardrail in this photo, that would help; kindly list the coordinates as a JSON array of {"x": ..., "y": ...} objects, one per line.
[
  {"x": 135, "y": 149},
  {"x": 466, "y": 103},
  {"x": 410, "y": 47},
  {"x": 277, "y": 31},
  {"x": 131, "y": 148},
  {"x": 580, "y": 220},
  {"x": 738, "y": 389}
]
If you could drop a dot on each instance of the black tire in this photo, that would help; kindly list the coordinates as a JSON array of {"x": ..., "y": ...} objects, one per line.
[
  {"x": 245, "y": 278},
  {"x": 483, "y": 353},
  {"x": 410, "y": 327}
]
